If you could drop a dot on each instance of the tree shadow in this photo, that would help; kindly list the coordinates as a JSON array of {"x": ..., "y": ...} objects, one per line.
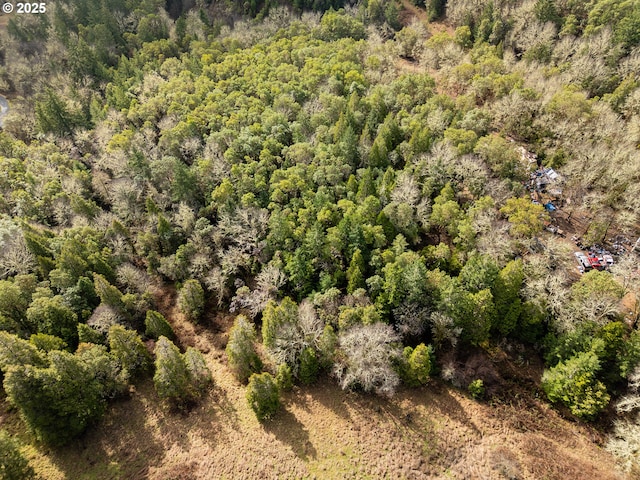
[
  {"x": 449, "y": 406},
  {"x": 136, "y": 433},
  {"x": 220, "y": 399},
  {"x": 329, "y": 395},
  {"x": 121, "y": 445},
  {"x": 289, "y": 430}
]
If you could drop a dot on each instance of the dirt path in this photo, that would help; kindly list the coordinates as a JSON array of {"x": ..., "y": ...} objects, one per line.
[{"x": 411, "y": 11}]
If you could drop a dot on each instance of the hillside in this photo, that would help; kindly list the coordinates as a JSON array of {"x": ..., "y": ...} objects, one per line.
[
  {"x": 332, "y": 238},
  {"x": 324, "y": 432}
]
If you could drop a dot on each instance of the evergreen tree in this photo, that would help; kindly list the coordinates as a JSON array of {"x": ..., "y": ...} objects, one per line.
[
  {"x": 274, "y": 316},
  {"x": 575, "y": 384},
  {"x": 507, "y": 297},
  {"x": 128, "y": 348},
  {"x": 57, "y": 402},
  {"x": 309, "y": 366},
  {"x": 53, "y": 317},
  {"x": 191, "y": 300},
  {"x": 263, "y": 395},
  {"x": 172, "y": 379},
  {"x": 16, "y": 351},
  {"x": 156, "y": 326},
  {"x": 241, "y": 353},
  {"x": 355, "y": 272},
  {"x": 199, "y": 373}
]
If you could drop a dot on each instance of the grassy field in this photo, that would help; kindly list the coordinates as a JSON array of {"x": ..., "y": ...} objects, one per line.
[{"x": 325, "y": 433}]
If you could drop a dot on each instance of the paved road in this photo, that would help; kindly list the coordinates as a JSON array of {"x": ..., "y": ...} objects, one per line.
[{"x": 4, "y": 108}]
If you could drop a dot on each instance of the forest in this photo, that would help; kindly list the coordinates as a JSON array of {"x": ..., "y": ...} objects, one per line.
[{"x": 371, "y": 194}]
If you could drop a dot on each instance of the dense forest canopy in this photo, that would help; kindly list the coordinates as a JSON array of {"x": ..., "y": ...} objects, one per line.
[{"x": 363, "y": 192}]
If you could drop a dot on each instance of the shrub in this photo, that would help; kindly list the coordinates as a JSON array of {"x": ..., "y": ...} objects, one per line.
[
  {"x": 417, "y": 365},
  {"x": 476, "y": 389},
  {"x": 13, "y": 465},
  {"x": 574, "y": 384}
]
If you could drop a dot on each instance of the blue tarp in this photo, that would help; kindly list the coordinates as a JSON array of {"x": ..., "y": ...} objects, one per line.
[{"x": 550, "y": 207}]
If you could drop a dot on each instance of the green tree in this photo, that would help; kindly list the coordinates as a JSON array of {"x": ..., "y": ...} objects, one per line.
[
  {"x": 57, "y": 402},
  {"x": 499, "y": 155},
  {"x": 547, "y": 11},
  {"x": 574, "y": 383},
  {"x": 355, "y": 272},
  {"x": 191, "y": 300},
  {"x": 46, "y": 343},
  {"x": 54, "y": 115},
  {"x": 86, "y": 334},
  {"x": 599, "y": 283},
  {"x": 274, "y": 316},
  {"x": 104, "y": 367},
  {"x": 507, "y": 297},
  {"x": 473, "y": 313},
  {"x": 446, "y": 212},
  {"x": 156, "y": 326},
  {"x": 417, "y": 365},
  {"x": 335, "y": 25},
  {"x": 526, "y": 218},
  {"x": 199, "y": 373},
  {"x": 53, "y": 317},
  {"x": 241, "y": 352},
  {"x": 127, "y": 347},
  {"x": 309, "y": 366},
  {"x": 12, "y": 303},
  {"x": 16, "y": 351},
  {"x": 172, "y": 379},
  {"x": 263, "y": 395},
  {"x": 109, "y": 295},
  {"x": 284, "y": 377},
  {"x": 13, "y": 464},
  {"x": 479, "y": 272}
]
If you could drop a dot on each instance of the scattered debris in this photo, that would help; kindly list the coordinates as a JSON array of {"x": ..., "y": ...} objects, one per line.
[{"x": 597, "y": 258}]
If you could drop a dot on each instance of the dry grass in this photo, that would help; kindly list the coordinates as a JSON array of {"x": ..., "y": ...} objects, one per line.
[{"x": 323, "y": 432}]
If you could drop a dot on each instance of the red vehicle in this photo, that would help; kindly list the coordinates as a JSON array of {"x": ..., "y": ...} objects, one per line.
[{"x": 594, "y": 262}]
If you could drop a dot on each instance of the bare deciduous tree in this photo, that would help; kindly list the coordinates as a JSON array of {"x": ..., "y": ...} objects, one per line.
[
  {"x": 268, "y": 282},
  {"x": 15, "y": 257},
  {"x": 366, "y": 359}
]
